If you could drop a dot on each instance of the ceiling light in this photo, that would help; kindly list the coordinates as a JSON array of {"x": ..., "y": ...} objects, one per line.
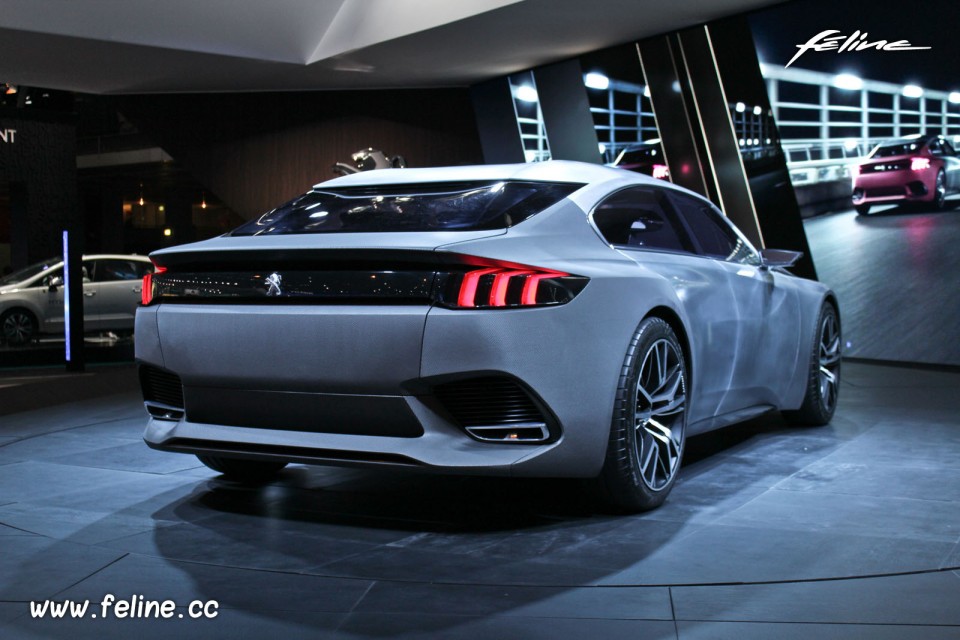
[
  {"x": 526, "y": 93},
  {"x": 741, "y": 107},
  {"x": 595, "y": 80},
  {"x": 954, "y": 97},
  {"x": 847, "y": 81},
  {"x": 912, "y": 91}
]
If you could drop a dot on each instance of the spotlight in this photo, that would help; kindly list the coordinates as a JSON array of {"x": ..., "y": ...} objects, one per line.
[
  {"x": 847, "y": 81},
  {"x": 912, "y": 91},
  {"x": 595, "y": 80},
  {"x": 526, "y": 93}
]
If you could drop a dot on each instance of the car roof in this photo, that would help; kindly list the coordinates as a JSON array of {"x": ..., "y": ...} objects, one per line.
[
  {"x": 549, "y": 171},
  {"x": 919, "y": 139}
]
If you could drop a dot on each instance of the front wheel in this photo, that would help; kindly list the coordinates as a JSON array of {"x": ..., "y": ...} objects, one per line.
[
  {"x": 862, "y": 209},
  {"x": 18, "y": 327},
  {"x": 823, "y": 376},
  {"x": 250, "y": 471},
  {"x": 647, "y": 436}
]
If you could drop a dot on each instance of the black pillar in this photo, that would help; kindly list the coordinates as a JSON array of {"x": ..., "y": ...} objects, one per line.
[
  {"x": 497, "y": 122},
  {"x": 696, "y": 77},
  {"x": 566, "y": 112}
]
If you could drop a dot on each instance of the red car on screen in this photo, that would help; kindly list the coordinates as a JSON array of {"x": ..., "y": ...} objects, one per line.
[
  {"x": 918, "y": 168},
  {"x": 644, "y": 157}
]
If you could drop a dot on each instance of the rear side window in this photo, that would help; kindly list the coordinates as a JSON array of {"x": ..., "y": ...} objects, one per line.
[
  {"x": 470, "y": 206},
  {"x": 641, "y": 218},
  {"x": 713, "y": 235}
]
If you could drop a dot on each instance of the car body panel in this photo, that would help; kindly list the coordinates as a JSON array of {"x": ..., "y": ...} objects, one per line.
[{"x": 747, "y": 330}]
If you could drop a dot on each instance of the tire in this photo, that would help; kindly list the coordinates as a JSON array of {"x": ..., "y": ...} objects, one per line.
[
  {"x": 862, "y": 209},
  {"x": 940, "y": 191},
  {"x": 648, "y": 432},
  {"x": 248, "y": 471},
  {"x": 823, "y": 379},
  {"x": 18, "y": 327}
]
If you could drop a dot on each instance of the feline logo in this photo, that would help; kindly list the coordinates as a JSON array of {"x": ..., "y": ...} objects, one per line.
[{"x": 857, "y": 41}]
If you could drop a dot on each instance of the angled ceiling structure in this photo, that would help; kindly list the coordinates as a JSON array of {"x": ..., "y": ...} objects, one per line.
[{"x": 141, "y": 46}]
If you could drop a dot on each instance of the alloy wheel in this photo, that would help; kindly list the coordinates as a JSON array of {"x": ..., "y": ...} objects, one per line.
[
  {"x": 17, "y": 328},
  {"x": 659, "y": 417},
  {"x": 829, "y": 354}
]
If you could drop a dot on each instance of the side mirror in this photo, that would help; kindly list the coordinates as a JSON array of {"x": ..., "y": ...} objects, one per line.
[
  {"x": 55, "y": 283},
  {"x": 779, "y": 258}
]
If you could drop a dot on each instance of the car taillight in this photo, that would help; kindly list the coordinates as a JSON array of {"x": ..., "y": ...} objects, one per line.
[
  {"x": 660, "y": 171},
  {"x": 146, "y": 291},
  {"x": 509, "y": 286},
  {"x": 919, "y": 164}
]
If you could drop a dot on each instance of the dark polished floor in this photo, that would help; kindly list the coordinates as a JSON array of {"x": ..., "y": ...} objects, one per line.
[
  {"x": 896, "y": 275},
  {"x": 846, "y": 531}
]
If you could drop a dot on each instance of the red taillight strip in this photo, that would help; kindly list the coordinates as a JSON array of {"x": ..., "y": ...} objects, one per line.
[
  {"x": 498, "y": 293},
  {"x": 502, "y": 277},
  {"x": 468, "y": 289},
  {"x": 532, "y": 284},
  {"x": 146, "y": 290}
]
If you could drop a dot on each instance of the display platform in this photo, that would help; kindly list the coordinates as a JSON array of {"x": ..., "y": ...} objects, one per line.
[{"x": 849, "y": 530}]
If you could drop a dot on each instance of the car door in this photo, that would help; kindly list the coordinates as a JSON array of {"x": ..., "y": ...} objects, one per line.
[
  {"x": 641, "y": 223},
  {"x": 768, "y": 307},
  {"x": 118, "y": 284},
  {"x": 47, "y": 294}
]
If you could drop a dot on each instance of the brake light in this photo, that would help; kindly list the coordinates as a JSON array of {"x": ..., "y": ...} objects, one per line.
[
  {"x": 146, "y": 291},
  {"x": 660, "y": 171},
  {"x": 510, "y": 286},
  {"x": 919, "y": 164}
]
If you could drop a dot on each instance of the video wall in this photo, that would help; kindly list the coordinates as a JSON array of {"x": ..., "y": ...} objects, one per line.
[{"x": 866, "y": 97}]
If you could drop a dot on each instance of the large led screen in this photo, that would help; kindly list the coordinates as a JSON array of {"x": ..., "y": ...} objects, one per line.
[{"x": 866, "y": 96}]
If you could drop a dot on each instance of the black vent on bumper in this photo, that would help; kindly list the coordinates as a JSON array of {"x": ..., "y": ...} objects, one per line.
[
  {"x": 162, "y": 392},
  {"x": 496, "y": 409}
]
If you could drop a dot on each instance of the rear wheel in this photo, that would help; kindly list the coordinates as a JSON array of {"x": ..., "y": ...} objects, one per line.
[
  {"x": 243, "y": 470},
  {"x": 18, "y": 327},
  {"x": 823, "y": 380},
  {"x": 647, "y": 436},
  {"x": 940, "y": 190}
]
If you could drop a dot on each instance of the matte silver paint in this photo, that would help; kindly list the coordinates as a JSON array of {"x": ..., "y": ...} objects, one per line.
[{"x": 747, "y": 332}]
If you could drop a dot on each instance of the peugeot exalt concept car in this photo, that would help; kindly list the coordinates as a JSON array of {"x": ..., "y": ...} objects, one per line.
[{"x": 556, "y": 320}]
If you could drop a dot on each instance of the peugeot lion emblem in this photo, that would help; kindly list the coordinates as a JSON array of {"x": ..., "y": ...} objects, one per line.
[{"x": 273, "y": 284}]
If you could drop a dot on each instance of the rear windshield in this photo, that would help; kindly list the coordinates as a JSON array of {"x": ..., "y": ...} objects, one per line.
[
  {"x": 901, "y": 149},
  {"x": 425, "y": 207}
]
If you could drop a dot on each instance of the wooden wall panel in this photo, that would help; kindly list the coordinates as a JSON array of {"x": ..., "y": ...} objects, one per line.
[{"x": 255, "y": 151}]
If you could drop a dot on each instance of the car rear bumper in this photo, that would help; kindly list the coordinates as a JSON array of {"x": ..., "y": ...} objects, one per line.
[
  {"x": 368, "y": 385},
  {"x": 893, "y": 186}
]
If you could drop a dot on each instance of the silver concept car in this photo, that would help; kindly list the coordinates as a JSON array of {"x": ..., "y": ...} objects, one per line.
[{"x": 552, "y": 319}]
